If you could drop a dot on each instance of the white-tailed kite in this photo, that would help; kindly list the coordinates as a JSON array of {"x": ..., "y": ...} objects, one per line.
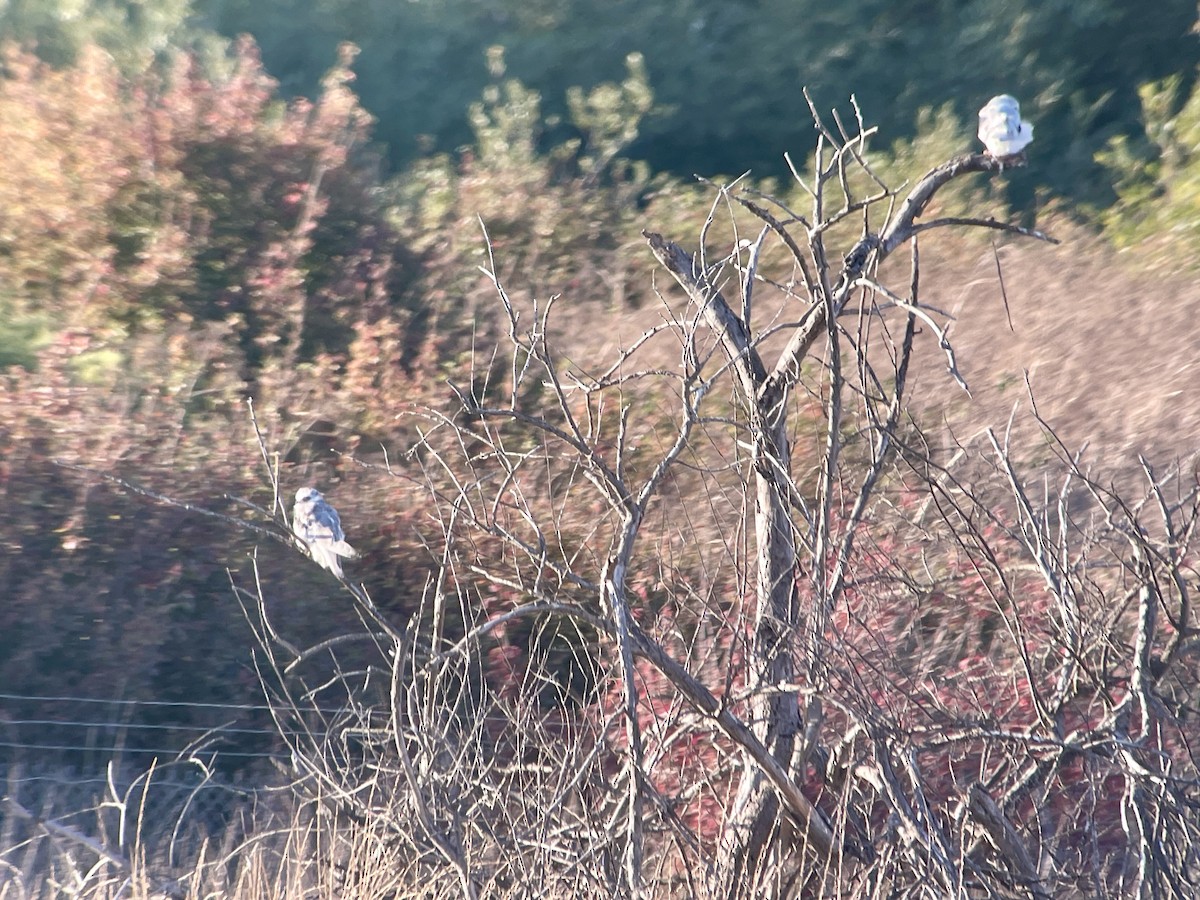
[
  {"x": 317, "y": 525},
  {"x": 1001, "y": 129}
]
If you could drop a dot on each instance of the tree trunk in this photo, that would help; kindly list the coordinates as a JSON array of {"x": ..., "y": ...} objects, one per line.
[{"x": 753, "y": 821}]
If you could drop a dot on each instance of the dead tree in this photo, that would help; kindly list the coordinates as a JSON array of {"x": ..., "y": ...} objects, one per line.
[
  {"x": 786, "y": 634},
  {"x": 827, "y": 289},
  {"x": 592, "y": 700}
]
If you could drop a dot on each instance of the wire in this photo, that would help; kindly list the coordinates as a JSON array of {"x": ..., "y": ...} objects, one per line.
[
  {"x": 142, "y": 750},
  {"x": 136, "y": 726},
  {"x": 81, "y": 782},
  {"x": 239, "y": 706},
  {"x": 176, "y": 704},
  {"x": 217, "y": 732}
]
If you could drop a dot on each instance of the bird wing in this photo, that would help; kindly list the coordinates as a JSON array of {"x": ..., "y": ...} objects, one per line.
[
  {"x": 325, "y": 556},
  {"x": 319, "y": 526},
  {"x": 316, "y": 520},
  {"x": 1001, "y": 128},
  {"x": 996, "y": 123}
]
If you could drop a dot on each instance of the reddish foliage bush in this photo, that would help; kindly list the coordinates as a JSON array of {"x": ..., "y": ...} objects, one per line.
[{"x": 180, "y": 243}]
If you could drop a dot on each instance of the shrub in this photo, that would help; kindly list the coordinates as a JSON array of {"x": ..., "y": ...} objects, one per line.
[{"x": 1157, "y": 180}]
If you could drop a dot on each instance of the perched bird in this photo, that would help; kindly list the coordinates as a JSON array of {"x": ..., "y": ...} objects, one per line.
[
  {"x": 1001, "y": 129},
  {"x": 317, "y": 525}
]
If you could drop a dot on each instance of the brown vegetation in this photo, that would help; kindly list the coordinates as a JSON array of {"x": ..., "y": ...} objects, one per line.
[{"x": 664, "y": 593}]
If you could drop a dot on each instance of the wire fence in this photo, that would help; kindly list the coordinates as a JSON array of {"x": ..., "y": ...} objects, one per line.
[
  {"x": 177, "y": 774},
  {"x": 102, "y": 729},
  {"x": 152, "y": 803},
  {"x": 81, "y": 758},
  {"x": 230, "y": 733},
  {"x": 81, "y": 729},
  {"x": 116, "y": 701}
]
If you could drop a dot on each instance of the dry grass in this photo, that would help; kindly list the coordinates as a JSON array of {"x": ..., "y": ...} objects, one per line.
[{"x": 1110, "y": 349}]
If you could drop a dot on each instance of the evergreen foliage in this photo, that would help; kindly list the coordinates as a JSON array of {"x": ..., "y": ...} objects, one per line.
[
  {"x": 731, "y": 74},
  {"x": 1157, "y": 179}
]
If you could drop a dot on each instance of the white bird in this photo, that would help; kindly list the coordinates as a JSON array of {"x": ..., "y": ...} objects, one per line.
[
  {"x": 318, "y": 526},
  {"x": 1001, "y": 129}
]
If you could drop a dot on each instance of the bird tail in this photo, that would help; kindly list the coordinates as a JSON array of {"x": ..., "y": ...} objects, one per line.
[
  {"x": 341, "y": 548},
  {"x": 325, "y": 557}
]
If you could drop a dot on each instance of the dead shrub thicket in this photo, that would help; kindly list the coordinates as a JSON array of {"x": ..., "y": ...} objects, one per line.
[
  {"x": 777, "y": 645},
  {"x": 780, "y": 646}
]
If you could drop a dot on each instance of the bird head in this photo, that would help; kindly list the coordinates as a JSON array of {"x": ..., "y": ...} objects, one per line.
[{"x": 306, "y": 494}]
